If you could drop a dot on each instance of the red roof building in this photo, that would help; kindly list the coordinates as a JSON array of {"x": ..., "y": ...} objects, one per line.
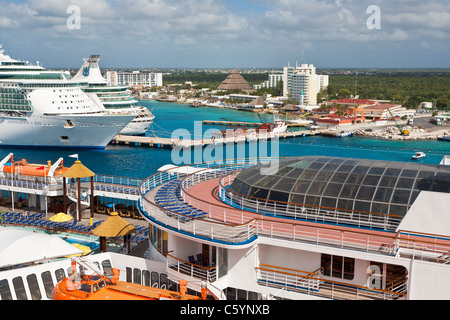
[{"x": 352, "y": 102}]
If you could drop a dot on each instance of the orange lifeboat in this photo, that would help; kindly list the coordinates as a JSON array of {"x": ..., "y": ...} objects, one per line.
[
  {"x": 30, "y": 169},
  {"x": 99, "y": 287}
]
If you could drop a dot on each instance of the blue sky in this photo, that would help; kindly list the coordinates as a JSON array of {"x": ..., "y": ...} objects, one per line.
[{"x": 229, "y": 33}]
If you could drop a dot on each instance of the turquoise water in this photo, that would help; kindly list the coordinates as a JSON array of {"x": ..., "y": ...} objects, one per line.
[{"x": 141, "y": 162}]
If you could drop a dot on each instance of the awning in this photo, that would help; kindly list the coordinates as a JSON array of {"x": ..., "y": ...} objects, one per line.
[{"x": 19, "y": 247}]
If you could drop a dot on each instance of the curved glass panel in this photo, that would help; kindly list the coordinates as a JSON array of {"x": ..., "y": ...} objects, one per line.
[{"x": 350, "y": 184}]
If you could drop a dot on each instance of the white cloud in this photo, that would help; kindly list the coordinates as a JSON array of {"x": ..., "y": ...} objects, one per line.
[{"x": 277, "y": 25}]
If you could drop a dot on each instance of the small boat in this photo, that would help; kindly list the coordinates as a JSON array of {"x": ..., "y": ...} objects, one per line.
[
  {"x": 25, "y": 168},
  {"x": 444, "y": 138},
  {"x": 95, "y": 286},
  {"x": 300, "y": 122},
  {"x": 418, "y": 156},
  {"x": 312, "y": 127},
  {"x": 344, "y": 133}
]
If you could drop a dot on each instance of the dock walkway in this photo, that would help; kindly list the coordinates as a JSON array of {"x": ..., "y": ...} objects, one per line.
[{"x": 158, "y": 142}]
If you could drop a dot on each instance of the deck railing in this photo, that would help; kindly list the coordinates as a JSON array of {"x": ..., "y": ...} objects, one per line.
[
  {"x": 29, "y": 182},
  {"x": 191, "y": 269},
  {"x": 312, "y": 283},
  {"x": 288, "y": 278},
  {"x": 112, "y": 184}
]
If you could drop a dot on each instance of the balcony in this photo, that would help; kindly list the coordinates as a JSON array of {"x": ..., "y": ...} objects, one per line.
[
  {"x": 312, "y": 283},
  {"x": 191, "y": 269}
]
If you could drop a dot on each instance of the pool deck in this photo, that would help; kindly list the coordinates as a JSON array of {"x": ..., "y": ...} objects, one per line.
[
  {"x": 137, "y": 251},
  {"x": 85, "y": 221}
]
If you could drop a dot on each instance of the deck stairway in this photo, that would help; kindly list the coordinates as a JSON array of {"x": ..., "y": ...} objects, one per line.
[{"x": 85, "y": 203}]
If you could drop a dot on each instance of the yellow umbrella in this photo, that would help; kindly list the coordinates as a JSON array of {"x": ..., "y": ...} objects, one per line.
[
  {"x": 61, "y": 217},
  {"x": 85, "y": 249}
]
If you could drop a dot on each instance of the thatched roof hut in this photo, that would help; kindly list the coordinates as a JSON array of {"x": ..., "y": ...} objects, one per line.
[
  {"x": 290, "y": 108},
  {"x": 114, "y": 226},
  {"x": 78, "y": 170},
  {"x": 258, "y": 102},
  {"x": 235, "y": 81}
]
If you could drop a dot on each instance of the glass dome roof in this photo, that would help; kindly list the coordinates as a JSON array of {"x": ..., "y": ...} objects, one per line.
[{"x": 351, "y": 184}]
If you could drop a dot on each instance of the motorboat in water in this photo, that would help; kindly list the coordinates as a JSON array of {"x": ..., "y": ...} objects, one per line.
[
  {"x": 418, "y": 156},
  {"x": 344, "y": 133}
]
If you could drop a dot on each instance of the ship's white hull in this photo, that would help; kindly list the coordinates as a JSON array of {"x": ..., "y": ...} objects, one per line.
[
  {"x": 137, "y": 128},
  {"x": 139, "y": 125},
  {"x": 301, "y": 122},
  {"x": 280, "y": 127},
  {"x": 84, "y": 131}
]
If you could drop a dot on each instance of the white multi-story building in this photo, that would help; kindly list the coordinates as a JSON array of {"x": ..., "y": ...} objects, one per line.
[
  {"x": 135, "y": 78},
  {"x": 274, "y": 80},
  {"x": 303, "y": 83}
]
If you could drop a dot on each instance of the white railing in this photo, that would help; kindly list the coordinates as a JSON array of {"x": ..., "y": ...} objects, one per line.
[
  {"x": 193, "y": 270},
  {"x": 124, "y": 181},
  {"x": 112, "y": 184},
  {"x": 312, "y": 283},
  {"x": 198, "y": 227},
  {"x": 289, "y": 279},
  {"x": 30, "y": 182}
]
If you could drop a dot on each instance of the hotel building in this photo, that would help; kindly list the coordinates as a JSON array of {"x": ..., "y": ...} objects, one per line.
[
  {"x": 135, "y": 78},
  {"x": 303, "y": 83}
]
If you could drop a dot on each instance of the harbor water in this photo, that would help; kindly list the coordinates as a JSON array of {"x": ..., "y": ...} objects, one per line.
[{"x": 141, "y": 162}]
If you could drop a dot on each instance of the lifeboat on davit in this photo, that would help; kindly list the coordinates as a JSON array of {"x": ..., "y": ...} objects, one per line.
[
  {"x": 31, "y": 169},
  {"x": 100, "y": 287}
]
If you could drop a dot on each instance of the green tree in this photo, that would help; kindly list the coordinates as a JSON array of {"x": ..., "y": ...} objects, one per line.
[
  {"x": 344, "y": 93},
  {"x": 442, "y": 102}
]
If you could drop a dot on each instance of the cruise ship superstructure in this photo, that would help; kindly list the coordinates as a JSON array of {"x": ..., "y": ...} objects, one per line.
[
  {"x": 116, "y": 99},
  {"x": 314, "y": 228},
  {"x": 42, "y": 108}
]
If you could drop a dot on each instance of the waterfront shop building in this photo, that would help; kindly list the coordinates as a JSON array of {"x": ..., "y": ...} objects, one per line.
[
  {"x": 385, "y": 111},
  {"x": 350, "y": 102}
]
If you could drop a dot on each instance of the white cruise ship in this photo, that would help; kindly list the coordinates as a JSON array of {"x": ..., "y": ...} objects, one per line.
[
  {"x": 41, "y": 108},
  {"x": 116, "y": 99}
]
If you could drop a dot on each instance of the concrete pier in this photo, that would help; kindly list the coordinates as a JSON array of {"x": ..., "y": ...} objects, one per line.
[{"x": 158, "y": 142}]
